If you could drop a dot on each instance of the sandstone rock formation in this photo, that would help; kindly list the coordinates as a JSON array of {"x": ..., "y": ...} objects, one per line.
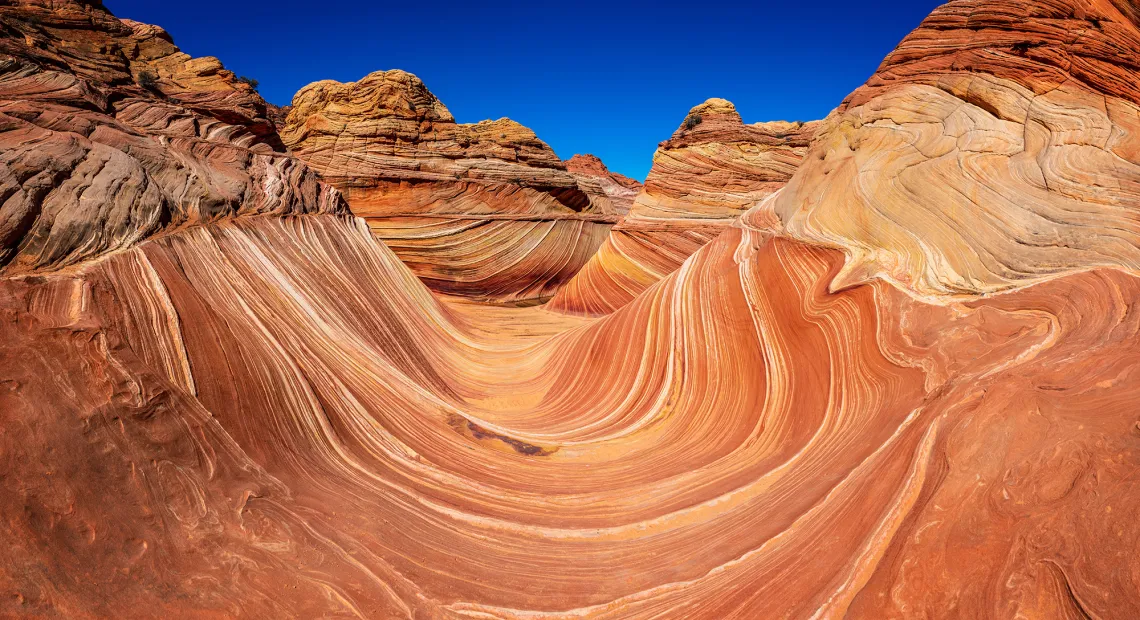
[
  {"x": 109, "y": 134},
  {"x": 712, "y": 170},
  {"x": 485, "y": 210},
  {"x": 264, "y": 413},
  {"x": 277, "y": 114},
  {"x": 995, "y": 147},
  {"x": 614, "y": 192}
]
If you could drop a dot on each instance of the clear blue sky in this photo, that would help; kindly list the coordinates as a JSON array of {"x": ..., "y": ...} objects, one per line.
[{"x": 611, "y": 78}]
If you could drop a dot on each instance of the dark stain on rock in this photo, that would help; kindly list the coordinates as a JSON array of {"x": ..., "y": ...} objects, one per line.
[{"x": 468, "y": 427}]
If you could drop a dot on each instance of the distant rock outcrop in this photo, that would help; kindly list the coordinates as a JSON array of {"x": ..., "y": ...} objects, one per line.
[
  {"x": 484, "y": 210},
  {"x": 713, "y": 169},
  {"x": 600, "y": 184},
  {"x": 277, "y": 114}
]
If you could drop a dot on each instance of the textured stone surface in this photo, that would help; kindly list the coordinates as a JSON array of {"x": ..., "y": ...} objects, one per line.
[
  {"x": 602, "y": 185},
  {"x": 94, "y": 157},
  {"x": 720, "y": 167},
  {"x": 703, "y": 178},
  {"x": 484, "y": 210},
  {"x": 458, "y": 461},
  {"x": 998, "y": 145},
  {"x": 277, "y": 114},
  {"x": 271, "y": 415}
]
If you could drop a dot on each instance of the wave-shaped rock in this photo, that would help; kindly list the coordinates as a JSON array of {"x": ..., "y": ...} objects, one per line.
[
  {"x": 271, "y": 416},
  {"x": 484, "y": 210},
  {"x": 361, "y": 436},
  {"x": 997, "y": 146},
  {"x": 713, "y": 169}
]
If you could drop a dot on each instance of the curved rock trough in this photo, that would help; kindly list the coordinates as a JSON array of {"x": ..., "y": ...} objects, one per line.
[{"x": 899, "y": 380}]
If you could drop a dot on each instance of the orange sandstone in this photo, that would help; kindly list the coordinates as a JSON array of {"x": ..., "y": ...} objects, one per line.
[
  {"x": 253, "y": 408},
  {"x": 712, "y": 170},
  {"x": 486, "y": 210}
]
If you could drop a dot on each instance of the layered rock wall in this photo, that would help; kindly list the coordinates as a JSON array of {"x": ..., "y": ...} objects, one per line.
[
  {"x": 713, "y": 169},
  {"x": 110, "y": 135},
  {"x": 485, "y": 210}
]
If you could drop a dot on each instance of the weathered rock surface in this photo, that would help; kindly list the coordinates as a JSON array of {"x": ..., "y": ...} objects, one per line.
[
  {"x": 277, "y": 115},
  {"x": 712, "y": 170},
  {"x": 715, "y": 167},
  {"x": 614, "y": 192},
  {"x": 997, "y": 146},
  {"x": 485, "y": 210},
  {"x": 458, "y": 461},
  {"x": 271, "y": 416},
  {"x": 109, "y": 134}
]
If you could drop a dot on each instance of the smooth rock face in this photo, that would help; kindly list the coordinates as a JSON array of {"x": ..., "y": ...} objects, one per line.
[
  {"x": 269, "y": 415},
  {"x": 486, "y": 211},
  {"x": 712, "y": 170},
  {"x": 109, "y": 134}
]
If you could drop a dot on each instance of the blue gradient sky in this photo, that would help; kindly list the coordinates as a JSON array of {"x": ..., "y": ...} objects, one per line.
[{"x": 610, "y": 78}]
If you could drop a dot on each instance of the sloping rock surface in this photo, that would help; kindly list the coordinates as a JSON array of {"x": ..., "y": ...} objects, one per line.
[
  {"x": 266, "y": 414},
  {"x": 484, "y": 210},
  {"x": 997, "y": 146},
  {"x": 110, "y": 135},
  {"x": 713, "y": 169}
]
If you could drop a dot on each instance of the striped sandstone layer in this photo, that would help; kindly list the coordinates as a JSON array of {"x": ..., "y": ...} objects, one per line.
[
  {"x": 999, "y": 145},
  {"x": 485, "y": 211},
  {"x": 110, "y": 135},
  {"x": 271, "y": 416},
  {"x": 712, "y": 170},
  {"x": 598, "y": 182},
  {"x": 285, "y": 397}
]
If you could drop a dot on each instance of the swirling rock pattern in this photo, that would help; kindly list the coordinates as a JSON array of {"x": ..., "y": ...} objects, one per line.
[
  {"x": 271, "y": 416},
  {"x": 486, "y": 211},
  {"x": 712, "y": 170},
  {"x": 998, "y": 145},
  {"x": 364, "y": 441}
]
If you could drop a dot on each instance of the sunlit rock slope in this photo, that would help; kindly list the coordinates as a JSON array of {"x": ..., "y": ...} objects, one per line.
[
  {"x": 257, "y": 410},
  {"x": 486, "y": 210},
  {"x": 997, "y": 146},
  {"x": 712, "y": 170}
]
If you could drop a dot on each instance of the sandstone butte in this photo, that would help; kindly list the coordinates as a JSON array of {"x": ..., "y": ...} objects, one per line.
[
  {"x": 486, "y": 210},
  {"x": 902, "y": 386},
  {"x": 712, "y": 170}
]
